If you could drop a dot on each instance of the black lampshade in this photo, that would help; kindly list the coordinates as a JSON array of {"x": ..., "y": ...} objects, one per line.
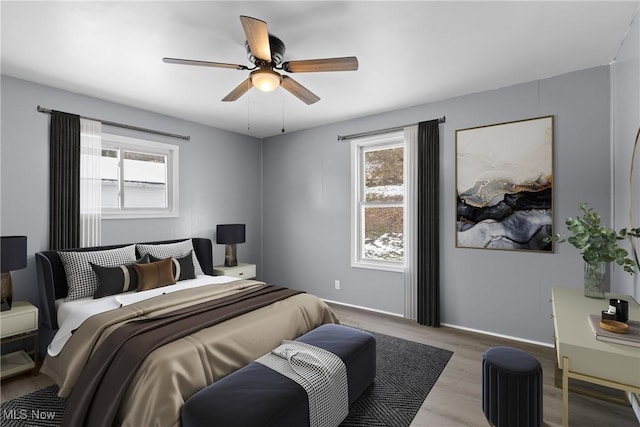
[
  {"x": 230, "y": 234},
  {"x": 13, "y": 253}
]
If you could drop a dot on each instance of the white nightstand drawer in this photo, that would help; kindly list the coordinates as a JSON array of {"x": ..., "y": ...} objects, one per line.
[
  {"x": 242, "y": 271},
  {"x": 23, "y": 317}
]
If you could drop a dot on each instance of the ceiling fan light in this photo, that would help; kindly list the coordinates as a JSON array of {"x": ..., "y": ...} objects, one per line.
[{"x": 265, "y": 80}]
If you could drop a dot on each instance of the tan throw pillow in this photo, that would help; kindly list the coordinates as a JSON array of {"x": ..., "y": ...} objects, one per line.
[{"x": 155, "y": 274}]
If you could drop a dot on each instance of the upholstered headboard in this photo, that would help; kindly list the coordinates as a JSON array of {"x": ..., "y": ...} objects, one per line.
[{"x": 52, "y": 281}]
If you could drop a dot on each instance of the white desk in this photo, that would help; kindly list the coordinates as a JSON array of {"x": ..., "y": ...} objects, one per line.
[{"x": 583, "y": 357}]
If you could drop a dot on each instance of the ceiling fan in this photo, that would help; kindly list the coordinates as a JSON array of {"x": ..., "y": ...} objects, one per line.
[{"x": 266, "y": 52}]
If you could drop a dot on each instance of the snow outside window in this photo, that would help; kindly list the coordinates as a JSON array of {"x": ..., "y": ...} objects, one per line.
[
  {"x": 378, "y": 194},
  {"x": 139, "y": 178}
]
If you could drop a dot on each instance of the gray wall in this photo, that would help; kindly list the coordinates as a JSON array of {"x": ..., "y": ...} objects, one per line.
[
  {"x": 293, "y": 193},
  {"x": 220, "y": 174},
  {"x": 306, "y": 215},
  {"x": 625, "y": 80}
]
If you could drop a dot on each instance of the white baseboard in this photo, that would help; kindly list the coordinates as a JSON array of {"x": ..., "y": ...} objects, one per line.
[
  {"x": 388, "y": 313},
  {"x": 493, "y": 334},
  {"x": 449, "y": 325}
]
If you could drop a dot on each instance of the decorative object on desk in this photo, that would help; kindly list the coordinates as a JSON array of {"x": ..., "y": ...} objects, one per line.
[
  {"x": 13, "y": 254},
  {"x": 504, "y": 185},
  {"x": 620, "y": 308},
  {"x": 599, "y": 246},
  {"x": 230, "y": 235},
  {"x": 595, "y": 279},
  {"x": 614, "y": 326},
  {"x": 630, "y": 338},
  {"x": 610, "y": 314}
]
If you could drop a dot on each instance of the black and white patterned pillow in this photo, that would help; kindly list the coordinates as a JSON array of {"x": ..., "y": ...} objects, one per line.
[
  {"x": 81, "y": 279},
  {"x": 168, "y": 250}
]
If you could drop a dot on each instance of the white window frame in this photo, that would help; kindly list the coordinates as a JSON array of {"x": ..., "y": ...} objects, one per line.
[
  {"x": 358, "y": 146},
  {"x": 172, "y": 153}
]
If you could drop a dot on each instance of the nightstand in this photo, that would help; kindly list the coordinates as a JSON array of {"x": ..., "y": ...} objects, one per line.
[
  {"x": 242, "y": 270},
  {"x": 18, "y": 324}
]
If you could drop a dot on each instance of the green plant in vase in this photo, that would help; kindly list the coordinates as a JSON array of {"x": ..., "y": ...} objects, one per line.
[{"x": 599, "y": 246}]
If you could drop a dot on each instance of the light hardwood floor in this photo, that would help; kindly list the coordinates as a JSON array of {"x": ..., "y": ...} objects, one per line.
[{"x": 456, "y": 399}]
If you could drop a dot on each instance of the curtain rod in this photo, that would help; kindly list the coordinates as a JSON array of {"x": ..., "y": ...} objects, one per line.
[
  {"x": 121, "y": 125},
  {"x": 442, "y": 119}
]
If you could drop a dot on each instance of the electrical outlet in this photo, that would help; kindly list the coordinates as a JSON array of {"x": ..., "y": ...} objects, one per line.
[{"x": 337, "y": 282}]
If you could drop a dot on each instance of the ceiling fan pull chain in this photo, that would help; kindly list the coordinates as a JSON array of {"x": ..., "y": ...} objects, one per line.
[
  {"x": 282, "y": 111},
  {"x": 248, "y": 108}
]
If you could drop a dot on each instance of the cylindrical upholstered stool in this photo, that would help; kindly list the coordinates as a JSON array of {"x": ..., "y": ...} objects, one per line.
[{"x": 511, "y": 388}]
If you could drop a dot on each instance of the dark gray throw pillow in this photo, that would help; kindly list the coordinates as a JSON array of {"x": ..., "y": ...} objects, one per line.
[
  {"x": 183, "y": 267},
  {"x": 116, "y": 280}
]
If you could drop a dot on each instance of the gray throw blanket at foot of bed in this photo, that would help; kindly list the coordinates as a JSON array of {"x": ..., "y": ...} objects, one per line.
[
  {"x": 103, "y": 383},
  {"x": 321, "y": 373}
]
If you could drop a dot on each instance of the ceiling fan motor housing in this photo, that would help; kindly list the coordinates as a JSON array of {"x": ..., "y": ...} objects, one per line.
[{"x": 277, "y": 51}]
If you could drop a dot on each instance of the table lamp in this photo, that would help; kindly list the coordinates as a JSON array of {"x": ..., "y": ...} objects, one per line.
[
  {"x": 13, "y": 256},
  {"x": 230, "y": 235}
]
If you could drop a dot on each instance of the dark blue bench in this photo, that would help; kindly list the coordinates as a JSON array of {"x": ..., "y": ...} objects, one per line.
[{"x": 256, "y": 395}]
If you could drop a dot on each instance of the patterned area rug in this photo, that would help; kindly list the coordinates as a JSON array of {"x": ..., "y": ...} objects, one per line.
[
  {"x": 406, "y": 372},
  {"x": 41, "y": 408}
]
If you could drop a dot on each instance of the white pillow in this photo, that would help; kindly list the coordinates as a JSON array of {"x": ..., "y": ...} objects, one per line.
[
  {"x": 175, "y": 250},
  {"x": 81, "y": 279}
]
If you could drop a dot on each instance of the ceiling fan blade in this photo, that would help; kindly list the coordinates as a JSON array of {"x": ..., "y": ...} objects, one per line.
[
  {"x": 240, "y": 90},
  {"x": 299, "y": 91},
  {"x": 347, "y": 63},
  {"x": 257, "y": 37},
  {"x": 204, "y": 63}
]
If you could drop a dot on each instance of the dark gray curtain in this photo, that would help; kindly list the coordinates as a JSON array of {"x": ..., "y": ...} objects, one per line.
[
  {"x": 64, "y": 181},
  {"x": 428, "y": 224}
]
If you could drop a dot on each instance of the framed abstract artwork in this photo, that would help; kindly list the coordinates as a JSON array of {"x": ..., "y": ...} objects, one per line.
[{"x": 504, "y": 185}]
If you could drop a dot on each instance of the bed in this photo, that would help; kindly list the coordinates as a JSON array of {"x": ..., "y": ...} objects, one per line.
[{"x": 77, "y": 335}]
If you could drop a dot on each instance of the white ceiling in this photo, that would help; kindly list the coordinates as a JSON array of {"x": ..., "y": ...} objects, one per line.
[{"x": 410, "y": 53}]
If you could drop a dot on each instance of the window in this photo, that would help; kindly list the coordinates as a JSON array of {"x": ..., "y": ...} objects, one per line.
[
  {"x": 139, "y": 178},
  {"x": 378, "y": 202}
]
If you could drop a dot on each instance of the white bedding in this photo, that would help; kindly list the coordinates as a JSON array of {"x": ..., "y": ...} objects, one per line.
[{"x": 71, "y": 314}]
